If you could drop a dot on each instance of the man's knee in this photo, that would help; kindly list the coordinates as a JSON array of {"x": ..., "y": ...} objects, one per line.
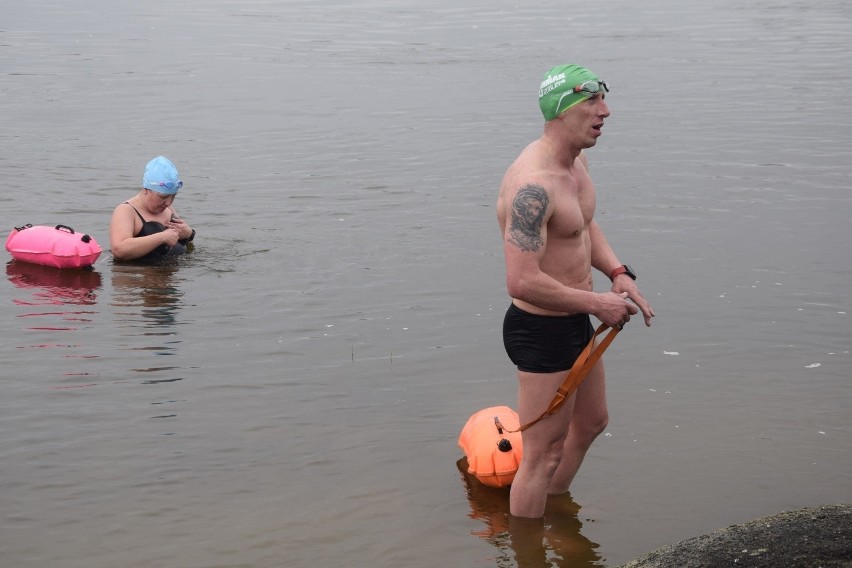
[
  {"x": 601, "y": 424},
  {"x": 590, "y": 427},
  {"x": 546, "y": 459}
]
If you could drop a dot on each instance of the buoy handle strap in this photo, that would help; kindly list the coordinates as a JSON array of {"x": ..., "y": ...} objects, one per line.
[{"x": 585, "y": 361}]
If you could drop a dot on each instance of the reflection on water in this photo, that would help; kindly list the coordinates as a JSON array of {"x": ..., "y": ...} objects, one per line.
[
  {"x": 51, "y": 298},
  {"x": 146, "y": 300},
  {"x": 555, "y": 540},
  {"x": 54, "y": 286},
  {"x": 153, "y": 288}
]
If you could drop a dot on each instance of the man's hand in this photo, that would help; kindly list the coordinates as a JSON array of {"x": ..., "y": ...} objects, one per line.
[
  {"x": 626, "y": 287},
  {"x": 615, "y": 310}
]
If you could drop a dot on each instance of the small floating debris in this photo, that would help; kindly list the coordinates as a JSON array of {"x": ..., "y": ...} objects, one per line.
[{"x": 813, "y": 365}]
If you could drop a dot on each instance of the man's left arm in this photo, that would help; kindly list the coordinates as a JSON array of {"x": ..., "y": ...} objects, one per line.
[{"x": 605, "y": 260}]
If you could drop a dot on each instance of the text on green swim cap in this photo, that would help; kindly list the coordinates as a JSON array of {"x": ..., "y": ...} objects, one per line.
[{"x": 556, "y": 92}]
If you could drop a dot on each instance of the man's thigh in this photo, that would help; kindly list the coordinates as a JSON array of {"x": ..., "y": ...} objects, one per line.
[
  {"x": 590, "y": 406},
  {"x": 535, "y": 393}
]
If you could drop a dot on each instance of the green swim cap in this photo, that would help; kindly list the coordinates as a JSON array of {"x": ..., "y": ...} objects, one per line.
[{"x": 556, "y": 93}]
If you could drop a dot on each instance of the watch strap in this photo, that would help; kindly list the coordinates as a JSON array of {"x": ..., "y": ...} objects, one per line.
[{"x": 619, "y": 271}]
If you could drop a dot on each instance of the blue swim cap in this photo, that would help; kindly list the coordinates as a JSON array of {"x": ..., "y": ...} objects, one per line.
[{"x": 161, "y": 176}]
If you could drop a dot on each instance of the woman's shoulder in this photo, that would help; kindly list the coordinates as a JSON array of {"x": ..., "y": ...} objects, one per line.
[{"x": 123, "y": 208}]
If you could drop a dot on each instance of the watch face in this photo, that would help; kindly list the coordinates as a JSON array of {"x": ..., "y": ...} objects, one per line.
[{"x": 630, "y": 272}]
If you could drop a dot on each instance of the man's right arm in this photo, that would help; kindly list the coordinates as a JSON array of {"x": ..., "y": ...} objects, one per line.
[{"x": 524, "y": 243}]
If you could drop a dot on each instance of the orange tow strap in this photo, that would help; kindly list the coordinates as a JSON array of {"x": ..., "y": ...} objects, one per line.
[{"x": 584, "y": 363}]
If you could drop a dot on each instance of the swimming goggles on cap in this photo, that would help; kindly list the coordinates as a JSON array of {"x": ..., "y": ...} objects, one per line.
[
  {"x": 171, "y": 185},
  {"x": 592, "y": 87}
]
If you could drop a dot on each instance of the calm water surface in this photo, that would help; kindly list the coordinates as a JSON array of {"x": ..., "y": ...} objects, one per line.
[{"x": 291, "y": 393}]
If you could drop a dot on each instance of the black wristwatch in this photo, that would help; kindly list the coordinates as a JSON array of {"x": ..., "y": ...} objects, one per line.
[
  {"x": 187, "y": 240},
  {"x": 623, "y": 269}
]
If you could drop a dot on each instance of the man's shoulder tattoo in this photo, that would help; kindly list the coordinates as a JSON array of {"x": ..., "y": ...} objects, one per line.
[{"x": 528, "y": 211}]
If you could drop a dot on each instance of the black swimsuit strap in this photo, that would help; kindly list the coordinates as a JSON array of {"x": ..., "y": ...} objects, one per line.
[{"x": 137, "y": 212}]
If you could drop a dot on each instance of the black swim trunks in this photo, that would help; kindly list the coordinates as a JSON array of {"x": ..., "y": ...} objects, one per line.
[{"x": 544, "y": 344}]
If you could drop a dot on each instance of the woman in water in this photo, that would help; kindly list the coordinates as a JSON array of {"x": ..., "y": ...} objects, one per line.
[{"x": 147, "y": 227}]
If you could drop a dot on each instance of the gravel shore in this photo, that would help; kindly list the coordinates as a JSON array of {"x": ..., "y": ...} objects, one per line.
[{"x": 814, "y": 537}]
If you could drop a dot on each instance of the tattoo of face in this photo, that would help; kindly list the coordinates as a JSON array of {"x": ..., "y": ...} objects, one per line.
[{"x": 528, "y": 210}]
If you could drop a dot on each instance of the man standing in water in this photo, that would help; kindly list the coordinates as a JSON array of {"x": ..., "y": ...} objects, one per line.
[{"x": 551, "y": 243}]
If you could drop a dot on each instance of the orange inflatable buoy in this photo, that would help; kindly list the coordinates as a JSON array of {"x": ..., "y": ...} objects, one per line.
[{"x": 493, "y": 453}]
